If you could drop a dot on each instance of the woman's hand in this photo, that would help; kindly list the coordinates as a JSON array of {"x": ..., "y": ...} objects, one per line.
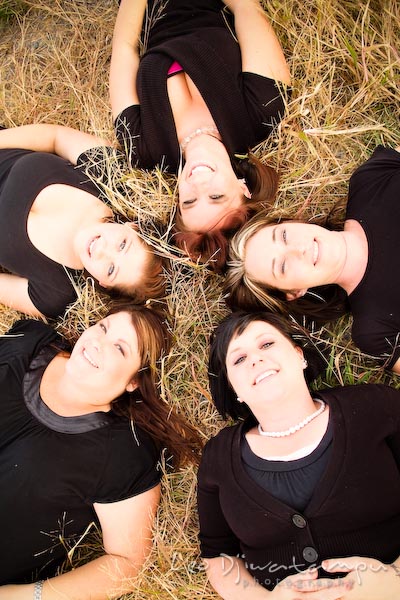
[
  {"x": 230, "y": 578},
  {"x": 368, "y": 579},
  {"x": 307, "y": 586}
]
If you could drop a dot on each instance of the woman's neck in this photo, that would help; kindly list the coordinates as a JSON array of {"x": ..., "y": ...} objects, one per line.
[
  {"x": 283, "y": 413},
  {"x": 281, "y": 420},
  {"x": 356, "y": 258}
]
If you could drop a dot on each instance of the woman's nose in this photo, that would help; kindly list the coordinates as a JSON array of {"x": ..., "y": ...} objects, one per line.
[{"x": 256, "y": 358}]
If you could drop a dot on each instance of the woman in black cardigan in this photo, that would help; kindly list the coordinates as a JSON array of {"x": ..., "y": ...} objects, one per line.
[
  {"x": 304, "y": 480},
  {"x": 194, "y": 99}
]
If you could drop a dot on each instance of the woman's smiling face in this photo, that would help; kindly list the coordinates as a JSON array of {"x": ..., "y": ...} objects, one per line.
[
  {"x": 262, "y": 363},
  {"x": 293, "y": 257},
  {"x": 106, "y": 358},
  {"x": 208, "y": 186},
  {"x": 113, "y": 254}
]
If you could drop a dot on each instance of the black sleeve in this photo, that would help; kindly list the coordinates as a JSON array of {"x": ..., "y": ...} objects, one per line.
[
  {"x": 128, "y": 130},
  {"x": 265, "y": 99},
  {"x": 51, "y": 300},
  {"x": 8, "y": 157},
  {"x": 132, "y": 465},
  {"x": 391, "y": 405},
  {"x": 96, "y": 162},
  {"x": 216, "y": 537},
  {"x": 23, "y": 341},
  {"x": 377, "y": 175}
]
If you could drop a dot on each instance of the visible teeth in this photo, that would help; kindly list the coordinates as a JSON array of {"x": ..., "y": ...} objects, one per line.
[
  {"x": 264, "y": 375},
  {"x": 86, "y": 355},
  {"x": 201, "y": 168},
  {"x": 316, "y": 252},
  {"x": 92, "y": 243}
]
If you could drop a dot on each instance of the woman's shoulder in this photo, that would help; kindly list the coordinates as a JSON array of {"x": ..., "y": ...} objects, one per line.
[
  {"x": 26, "y": 335},
  {"x": 132, "y": 463},
  {"x": 221, "y": 444},
  {"x": 383, "y": 161},
  {"x": 368, "y": 398}
]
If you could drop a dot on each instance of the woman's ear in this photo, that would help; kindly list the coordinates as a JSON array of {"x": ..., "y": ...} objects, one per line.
[
  {"x": 295, "y": 294},
  {"x": 299, "y": 352},
  {"x": 132, "y": 386},
  {"x": 245, "y": 190}
]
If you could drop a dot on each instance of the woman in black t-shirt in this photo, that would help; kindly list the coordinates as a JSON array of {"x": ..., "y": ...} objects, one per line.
[
  {"x": 275, "y": 262},
  {"x": 302, "y": 478},
  {"x": 191, "y": 89},
  {"x": 55, "y": 223},
  {"x": 80, "y": 440}
]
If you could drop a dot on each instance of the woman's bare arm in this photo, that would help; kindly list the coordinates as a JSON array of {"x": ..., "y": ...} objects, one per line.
[
  {"x": 125, "y": 55},
  {"x": 127, "y": 536},
  {"x": 66, "y": 142},
  {"x": 261, "y": 50}
]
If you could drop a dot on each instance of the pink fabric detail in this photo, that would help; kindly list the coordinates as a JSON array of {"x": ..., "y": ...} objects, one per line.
[{"x": 175, "y": 68}]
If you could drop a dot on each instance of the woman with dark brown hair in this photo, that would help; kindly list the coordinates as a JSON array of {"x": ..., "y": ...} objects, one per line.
[
  {"x": 193, "y": 86},
  {"x": 305, "y": 486},
  {"x": 80, "y": 441}
]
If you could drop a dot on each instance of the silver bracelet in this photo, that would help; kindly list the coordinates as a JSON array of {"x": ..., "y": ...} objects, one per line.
[{"x": 37, "y": 590}]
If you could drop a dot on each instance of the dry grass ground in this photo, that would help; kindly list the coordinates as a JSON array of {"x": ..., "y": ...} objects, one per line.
[{"x": 345, "y": 64}]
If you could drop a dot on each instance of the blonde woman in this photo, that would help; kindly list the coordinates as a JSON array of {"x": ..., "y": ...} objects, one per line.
[{"x": 283, "y": 265}]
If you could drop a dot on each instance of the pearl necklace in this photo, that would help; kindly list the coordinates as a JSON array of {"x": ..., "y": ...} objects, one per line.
[
  {"x": 295, "y": 428},
  {"x": 199, "y": 131}
]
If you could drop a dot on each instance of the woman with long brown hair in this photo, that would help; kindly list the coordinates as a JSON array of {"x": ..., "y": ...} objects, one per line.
[
  {"x": 56, "y": 224},
  {"x": 81, "y": 436},
  {"x": 193, "y": 87}
]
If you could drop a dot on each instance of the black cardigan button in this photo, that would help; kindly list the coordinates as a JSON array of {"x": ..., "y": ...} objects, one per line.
[
  {"x": 310, "y": 554},
  {"x": 299, "y": 521}
]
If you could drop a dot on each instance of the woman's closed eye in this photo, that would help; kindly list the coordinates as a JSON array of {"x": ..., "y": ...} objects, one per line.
[
  {"x": 111, "y": 270},
  {"x": 216, "y": 197},
  {"x": 122, "y": 244},
  {"x": 189, "y": 202},
  {"x": 284, "y": 236},
  {"x": 103, "y": 327}
]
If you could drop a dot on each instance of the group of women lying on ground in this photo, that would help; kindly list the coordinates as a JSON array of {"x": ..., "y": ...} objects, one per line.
[{"x": 303, "y": 479}]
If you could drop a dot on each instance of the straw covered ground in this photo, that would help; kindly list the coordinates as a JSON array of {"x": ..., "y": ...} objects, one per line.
[{"x": 345, "y": 65}]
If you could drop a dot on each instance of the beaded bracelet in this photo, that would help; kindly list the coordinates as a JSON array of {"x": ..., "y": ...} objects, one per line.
[{"x": 37, "y": 590}]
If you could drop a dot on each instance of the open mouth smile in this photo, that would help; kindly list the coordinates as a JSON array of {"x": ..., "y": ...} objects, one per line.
[
  {"x": 201, "y": 168},
  {"x": 92, "y": 245},
  {"x": 89, "y": 359},
  {"x": 264, "y": 375}
]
